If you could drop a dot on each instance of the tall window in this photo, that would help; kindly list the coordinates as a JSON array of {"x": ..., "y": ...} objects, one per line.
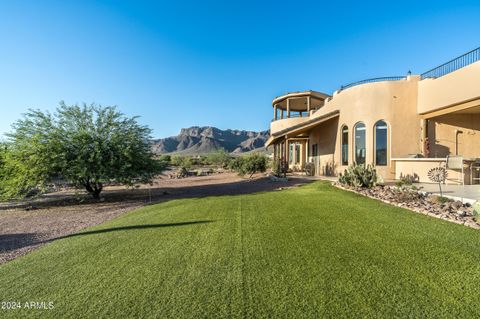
[
  {"x": 345, "y": 145},
  {"x": 360, "y": 152},
  {"x": 381, "y": 141}
]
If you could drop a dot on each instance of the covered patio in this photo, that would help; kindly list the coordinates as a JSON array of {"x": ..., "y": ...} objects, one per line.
[
  {"x": 449, "y": 132},
  {"x": 294, "y": 144}
]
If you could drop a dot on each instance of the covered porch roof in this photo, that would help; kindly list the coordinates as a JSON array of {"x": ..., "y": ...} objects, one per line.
[
  {"x": 300, "y": 101},
  {"x": 469, "y": 107},
  {"x": 302, "y": 127}
]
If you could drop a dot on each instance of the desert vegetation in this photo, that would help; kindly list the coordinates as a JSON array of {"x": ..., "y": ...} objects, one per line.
[
  {"x": 84, "y": 146},
  {"x": 364, "y": 180},
  {"x": 218, "y": 161}
]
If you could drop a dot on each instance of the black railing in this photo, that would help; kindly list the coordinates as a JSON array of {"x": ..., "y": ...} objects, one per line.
[
  {"x": 293, "y": 115},
  {"x": 386, "y": 78},
  {"x": 453, "y": 65}
]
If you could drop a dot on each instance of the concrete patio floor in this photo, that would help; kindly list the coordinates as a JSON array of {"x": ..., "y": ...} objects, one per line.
[{"x": 467, "y": 193}]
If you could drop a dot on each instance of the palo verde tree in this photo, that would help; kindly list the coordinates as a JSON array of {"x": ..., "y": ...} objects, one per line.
[
  {"x": 249, "y": 164},
  {"x": 87, "y": 146}
]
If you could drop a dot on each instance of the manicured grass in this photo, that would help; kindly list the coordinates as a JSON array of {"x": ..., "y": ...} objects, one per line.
[{"x": 315, "y": 251}]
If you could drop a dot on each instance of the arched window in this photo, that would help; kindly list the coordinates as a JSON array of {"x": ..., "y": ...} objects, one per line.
[
  {"x": 381, "y": 142},
  {"x": 344, "y": 145},
  {"x": 360, "y": 139}
]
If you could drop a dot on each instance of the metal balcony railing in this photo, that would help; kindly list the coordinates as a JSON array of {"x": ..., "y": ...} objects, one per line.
[
  {"x": 292, "y": 115},
  {"x": 453, "y": 65},
  {"x": 386, "y": 78}
]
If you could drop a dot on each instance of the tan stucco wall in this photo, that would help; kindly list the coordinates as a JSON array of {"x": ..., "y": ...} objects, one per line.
[
  {"x": 420, "y": 167},
  {"x": 442, "y": 133},
  {"x": 399, "y": 104},
  {"x": 392, "y": 101},
  {"x": 325, "y": 136},
  {"x": 453, "y": 88},
  {"x": 278, "y": 125}
]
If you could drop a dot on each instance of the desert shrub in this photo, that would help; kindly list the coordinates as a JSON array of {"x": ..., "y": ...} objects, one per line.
[
  {"x": 236, "y": 164},
  {"x": 182, "y": 172},
  {"x": 165, "y": 158},
  {"x": 250, "y": 164},
  {"x": 219, "y": 158},
  {"x": 310, "y": 169},
  {"x": 204, "y": 160},
  {"x": 176, "y": 160},
  {"x": 181, "y": 161},
  {"x": 359, "y": 176},
  {"x": 407, "y": 180},
  {"x": 194, "y": 161},
  {"x": 164, "y": 161},
  {"x": 280, "y": 168},
  {"x": 408, "y": 195},
  {"x": 435, "y": 199}
]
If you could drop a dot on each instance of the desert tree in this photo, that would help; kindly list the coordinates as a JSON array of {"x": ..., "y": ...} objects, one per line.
[
  {"x": 249, "y": 164},
  {"x": 85, "y": 145}
]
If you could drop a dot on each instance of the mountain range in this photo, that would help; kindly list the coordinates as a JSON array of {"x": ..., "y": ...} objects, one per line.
[{"x": 207, "y": 139}]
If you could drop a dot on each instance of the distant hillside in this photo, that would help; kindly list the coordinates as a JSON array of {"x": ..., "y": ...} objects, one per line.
[{"x": 201, "y": 140}]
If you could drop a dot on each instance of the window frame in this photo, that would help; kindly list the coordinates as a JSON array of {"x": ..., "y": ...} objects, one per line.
[
  {"x": 344, "y": 142},
  {"x": 354, "y": 136},
  {"x": 387, "y": 142}
]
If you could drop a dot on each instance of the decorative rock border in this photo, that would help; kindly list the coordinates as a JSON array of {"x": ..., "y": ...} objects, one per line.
[{"x": 420, "y": 202}]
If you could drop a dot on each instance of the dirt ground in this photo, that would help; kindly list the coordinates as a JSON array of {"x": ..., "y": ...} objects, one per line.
[{"x": 25, "y": 226}]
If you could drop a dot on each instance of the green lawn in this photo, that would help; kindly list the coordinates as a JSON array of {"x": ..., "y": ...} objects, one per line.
[{"x": 314, "y": 251}]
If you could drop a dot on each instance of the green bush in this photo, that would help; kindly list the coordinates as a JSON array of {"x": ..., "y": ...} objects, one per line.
[
  {"x": 280, "y": 168},
  {"x": 359, "y": 176},
  {"x": 219, "y": 158},
  {"x": 176, "y": 160},
  {"x": 249, "y": 164},
  {"x": 181, "y": 161},
  {"x": 476, "y": 211},
  {"x": 182, "y": 172},
  {"x": 165, "y": 158},
  {"x": 236, "y": 164}
]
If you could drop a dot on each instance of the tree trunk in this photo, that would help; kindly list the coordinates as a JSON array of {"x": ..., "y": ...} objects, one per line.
[
  {"x": 94, "y": 189},
  {"x": 96, "y": 193}
]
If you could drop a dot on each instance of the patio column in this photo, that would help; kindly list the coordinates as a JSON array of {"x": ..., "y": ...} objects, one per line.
[
  {"x": 288, "y": 108},
  {"x": 308, "y": 104},
  {"x": 287, "y": 152},
  {"x": 275, "y": 112},
  {"x": 424, "y": 138},
  {"x": 281, "y": 114},
  {"x": 307, "y": 150}
]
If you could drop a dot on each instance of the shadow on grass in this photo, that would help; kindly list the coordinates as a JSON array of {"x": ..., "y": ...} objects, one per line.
[
  {"x": 156, "y": 194},
  {"x": 134, "y": 227}
]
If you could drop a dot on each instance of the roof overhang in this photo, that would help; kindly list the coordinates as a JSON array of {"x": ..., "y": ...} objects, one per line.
[
  {"x": 298, "y": 100},
  {"x": 301, "y": 128}
]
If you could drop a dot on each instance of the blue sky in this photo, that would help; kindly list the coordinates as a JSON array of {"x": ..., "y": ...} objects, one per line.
[{"x": 220, "y": 63}]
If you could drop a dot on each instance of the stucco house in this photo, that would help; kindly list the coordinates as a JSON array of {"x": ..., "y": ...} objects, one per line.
[{"x": 402, "y": 124}]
